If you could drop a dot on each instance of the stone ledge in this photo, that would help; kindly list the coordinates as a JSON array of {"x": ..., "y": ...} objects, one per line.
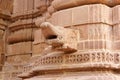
[
  {"x": 26, "y": 15},
  {"x": 62, "y": 4},
  {"x": 89, "y": 60}
]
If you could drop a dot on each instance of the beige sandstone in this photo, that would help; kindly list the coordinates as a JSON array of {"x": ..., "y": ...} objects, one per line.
[
  {"x": 59, "y": 40},
  {"x": 81, "y": 15},
  {"x": 61, "y": 4},
  {"x": 21, "y": 47},
  {"x": 21, "y": 35}
]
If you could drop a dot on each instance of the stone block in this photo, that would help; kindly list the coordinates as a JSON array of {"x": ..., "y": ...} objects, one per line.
[
  {"x": 6, "y": 6},
  {"x": 21, "y": 24},
  {"x": 63, "y": 4},
  {"x": 116, "y": 37},
  {"x": 95, "y": 37},
  {"x": 95, "y": 45},
  {"x": 80, "y": 45},
  {"x": 39, "y": 48},
  {"x": 18, "y": 59},
  {"x": 17, "y": 8},
  {"x": 20, "y": 36},
  {"x": 25, "y": 6},
  {"x": 54, "y": 18},
  {"x": 80, "y": 15},
  {"x": 1, "y": 46},
  {"x": 116, "y": 32},
  {"x": 38, "y": 37},
  {"x": 102, "y": 44},
  {"x": 1, "y": 34},
  {"x": 116, "y": 46},
  {"x": 96, "y": 13},
  {"x": 116, "y": 14},
  {"x": 19, "y": 48},
  {"x": 30, "y": 5},
  {"x": 95, "y": 31},
  {"x": 39, "y": 3},
  {"x": 87, "y": 14}
]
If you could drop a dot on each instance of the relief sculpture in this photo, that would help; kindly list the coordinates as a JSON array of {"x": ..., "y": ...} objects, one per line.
[{"x": 57, "y": 37}]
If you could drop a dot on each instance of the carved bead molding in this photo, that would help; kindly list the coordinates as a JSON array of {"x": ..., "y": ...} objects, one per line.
[{"x": 78, "y": 61}]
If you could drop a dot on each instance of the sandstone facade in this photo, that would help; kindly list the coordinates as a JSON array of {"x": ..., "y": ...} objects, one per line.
[{"x": 59, "y": 39}]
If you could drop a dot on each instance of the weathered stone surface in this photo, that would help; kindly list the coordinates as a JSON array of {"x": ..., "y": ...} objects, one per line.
[
  {"x": 61, "y": 4},
  {"x": 21, "y": 36},
  {"x": 79, "y": 75},
  {"x": 39, "y": 48},
  {"x": 88, "y": 14},
  {"x": 6, "y": 5},
  {"x": 116, "y": 16},
  {"x": 59, "y": 39},
  {"x": 38, "y": 37},
  {"x": 20, "y": 48}
]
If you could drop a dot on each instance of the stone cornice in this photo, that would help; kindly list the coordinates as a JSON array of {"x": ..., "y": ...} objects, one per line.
[
  {"x": 22, "y": 24},
  {"x": 62, "y": 4},
  {"x": 26, "y": 15},
  {"x": 84, "y": 61}
]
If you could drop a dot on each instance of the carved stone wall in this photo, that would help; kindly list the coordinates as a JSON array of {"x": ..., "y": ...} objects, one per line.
[
  {"x": 59, "y": 39},
  {"x": 97, "y": 46}
]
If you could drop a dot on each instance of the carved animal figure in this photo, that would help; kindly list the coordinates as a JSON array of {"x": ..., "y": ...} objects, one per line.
[{"x": 60, "y": 38}]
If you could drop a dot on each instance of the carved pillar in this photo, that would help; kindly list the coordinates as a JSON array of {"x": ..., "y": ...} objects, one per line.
[{"x": 20, "y": 37}]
